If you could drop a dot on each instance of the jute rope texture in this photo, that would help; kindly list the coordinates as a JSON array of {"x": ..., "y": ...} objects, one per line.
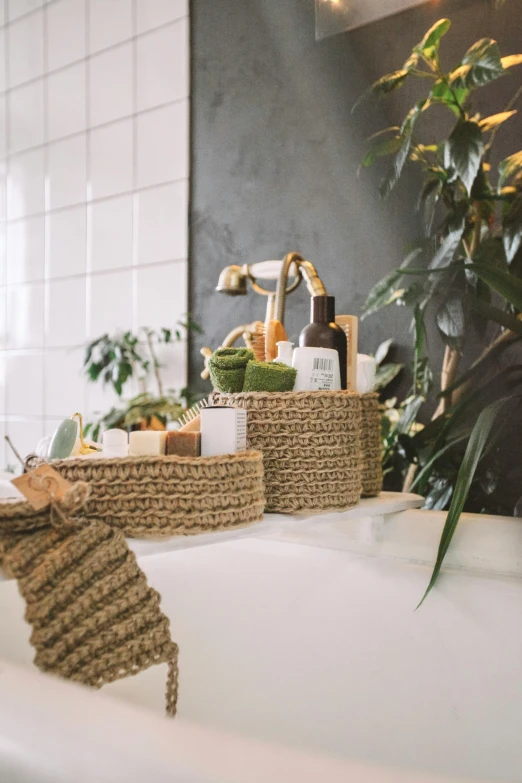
[
  {"x": 310, "y": 443},
  {"x": 94, "y": 618},
  {"x": 167, "y": 496},
  {"x": 371, "y": 445}
]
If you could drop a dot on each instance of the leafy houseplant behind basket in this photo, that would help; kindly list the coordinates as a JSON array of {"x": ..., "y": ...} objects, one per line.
[{"x": 468, "y": 269}]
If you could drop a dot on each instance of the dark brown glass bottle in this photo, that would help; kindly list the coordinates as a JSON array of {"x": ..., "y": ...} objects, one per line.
[{"x": 323, "y": 332}]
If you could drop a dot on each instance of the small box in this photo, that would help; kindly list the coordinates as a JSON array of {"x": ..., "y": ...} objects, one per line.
[{"x": 223, "y": 430}]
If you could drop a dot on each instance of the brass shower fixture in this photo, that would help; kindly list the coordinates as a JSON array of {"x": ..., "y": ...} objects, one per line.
[{"x": 234, "y": 279}]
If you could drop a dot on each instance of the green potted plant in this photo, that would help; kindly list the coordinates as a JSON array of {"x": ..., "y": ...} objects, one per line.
[
  {"x": 115, "y": 360},
  {"x": 466, "y": 271}
]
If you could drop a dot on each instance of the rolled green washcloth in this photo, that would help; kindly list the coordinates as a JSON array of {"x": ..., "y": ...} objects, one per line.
[
  {"x": 269, "y": 377},
  {"x": 227, "y": 369}
]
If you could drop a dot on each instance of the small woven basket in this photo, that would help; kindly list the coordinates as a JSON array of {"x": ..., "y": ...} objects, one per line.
[
  {"x": 371, "y": 446},
  {"x": 169, "y": 496},
  {"x": 310, "y": 443}
]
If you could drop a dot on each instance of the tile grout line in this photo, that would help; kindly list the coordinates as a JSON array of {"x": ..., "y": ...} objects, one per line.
[
  {"x": 94, "y": 273},
  {"x": 135, "y": 197},
  {"x": 46, "y": 292},
  {"x": 89, "y": 55},
  {"x": 88, "y": 210},
  {"x": 99, "y": 200},
  {"x": 99, "y": 126}
]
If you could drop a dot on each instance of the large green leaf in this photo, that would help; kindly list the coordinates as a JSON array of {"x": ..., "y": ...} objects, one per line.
[
  {"x": 409, "y": 414},
  {"x": 495, "y": 314},
  {"x": 464, "y": 150},
  {"x": 477, "y": 442},
  {"x": 382, "y": 351},
  {"x": 479, "y": 368},
  {"x": 433, "y": 36},
  {"x": 381, "y": 149},
  {"x": 490, "y": 123},
  {"x": 423, "y": 475},
  {"x": 481, "y": 64},
  {"x": 512, "y": 229},
  {"x": 452, "y": 96},
  {"x": 406, "y": 132},
  {"x": 383, "y": 293},
  {"x": 383, "y": 86},
  {"x": 448, "y": 246},
  {"x": 385, "y": 374},
  {"x": 509, "y": 168},
  {"x": 439, "y": 495},
  {"x": 428, "y": 201},
  {"x": 504, "y": 283},
  {"x": 451, "y": 318},
  {"x": 491, "y": 252}
]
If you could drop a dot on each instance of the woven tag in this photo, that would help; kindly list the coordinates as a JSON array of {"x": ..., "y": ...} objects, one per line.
[{"x": 42, "y": 486}]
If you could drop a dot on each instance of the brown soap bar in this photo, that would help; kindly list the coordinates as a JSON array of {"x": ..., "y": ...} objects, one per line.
[{"x": 184, "y": 444}]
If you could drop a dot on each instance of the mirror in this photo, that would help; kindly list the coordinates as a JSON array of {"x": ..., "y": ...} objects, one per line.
[{"x": 337, "y": 16}]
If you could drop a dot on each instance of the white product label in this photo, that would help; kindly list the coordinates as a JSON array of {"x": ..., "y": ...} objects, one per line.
[
  {"x": 241, "y": 431},
  {"x": 322, "y": 378}
]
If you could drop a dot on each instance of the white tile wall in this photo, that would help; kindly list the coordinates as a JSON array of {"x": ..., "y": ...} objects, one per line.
[{"x": 94, "y": 168}]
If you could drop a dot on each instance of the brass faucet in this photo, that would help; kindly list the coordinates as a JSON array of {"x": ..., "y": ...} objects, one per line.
[{"x": 233, "y": 282}]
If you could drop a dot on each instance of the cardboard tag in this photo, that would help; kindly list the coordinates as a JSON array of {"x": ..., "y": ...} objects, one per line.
[{"x": 42, "y": 486}]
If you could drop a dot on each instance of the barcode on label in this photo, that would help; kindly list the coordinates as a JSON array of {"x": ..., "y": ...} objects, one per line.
[{"x": 324, "y": 364}]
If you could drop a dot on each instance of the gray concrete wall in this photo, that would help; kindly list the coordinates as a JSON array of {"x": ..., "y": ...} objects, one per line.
[{"x": 275, "y": 151}]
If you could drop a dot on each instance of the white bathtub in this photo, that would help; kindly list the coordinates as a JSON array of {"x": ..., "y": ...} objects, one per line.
[{"x": 303, "y": 639}]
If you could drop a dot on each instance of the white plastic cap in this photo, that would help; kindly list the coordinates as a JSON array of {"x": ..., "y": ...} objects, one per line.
[{"x": 284, "y": 352}]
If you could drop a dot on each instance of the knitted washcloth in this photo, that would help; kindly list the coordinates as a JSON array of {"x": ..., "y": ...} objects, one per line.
[
  {"x": 94, "y": 618},
  {"x": 269, "y": 377},
  {"x": 227, "y": 368}
]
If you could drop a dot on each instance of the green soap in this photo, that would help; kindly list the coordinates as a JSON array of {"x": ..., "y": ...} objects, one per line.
[
  {"x": 62, "y": 442},
  {"x": 269, "y": 377},
  {"x": 227, "y": 369}
]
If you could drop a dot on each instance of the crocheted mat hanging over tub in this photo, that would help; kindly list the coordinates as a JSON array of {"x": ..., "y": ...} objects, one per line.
[{"x": 94, "y": 618}]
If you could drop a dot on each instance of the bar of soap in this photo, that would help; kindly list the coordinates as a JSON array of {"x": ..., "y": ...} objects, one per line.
[
  {"x": 147, "y": 443},
  {"x": 184, "y": 444}
]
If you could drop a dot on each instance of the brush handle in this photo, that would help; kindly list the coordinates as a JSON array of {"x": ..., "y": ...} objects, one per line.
[{"x": 192, "y": 426}]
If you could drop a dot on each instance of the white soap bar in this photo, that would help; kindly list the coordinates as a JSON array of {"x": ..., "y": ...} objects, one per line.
[
  {"x": 115, "y": 443},
  {"x": 147, "y": 443},
  {"x": 223, "y": 431},
  {"x": 366, "y": 369}
]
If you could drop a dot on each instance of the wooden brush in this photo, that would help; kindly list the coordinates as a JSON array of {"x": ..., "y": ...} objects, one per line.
[
  {"x": 191, "y": 419},
  {"x": 275, "y": 332},
  {"x": 258, "y": 342},
  {"x": 350, "y": 326}
]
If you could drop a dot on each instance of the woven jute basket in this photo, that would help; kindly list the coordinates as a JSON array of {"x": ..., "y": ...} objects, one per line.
[
  {"x": 310, "y": 443},
  {"x": 169, "y": 496},
  {"x": 371, "y": 445}
]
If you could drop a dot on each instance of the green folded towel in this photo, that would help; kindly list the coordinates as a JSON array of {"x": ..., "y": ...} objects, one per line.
[
  {"x": 227, "y": 369},
  {"x": 269, "y": 377}
]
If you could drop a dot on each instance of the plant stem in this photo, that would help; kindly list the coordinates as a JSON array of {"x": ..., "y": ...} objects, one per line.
[
  {"x": 447, "y": 378},
  {"x": 155, "y": 363}
]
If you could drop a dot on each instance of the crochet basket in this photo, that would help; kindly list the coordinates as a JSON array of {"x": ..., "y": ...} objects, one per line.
[
  {"x": 310, "y": 443},
  {"x": 371, "y": 445},
  {"x": 169, "y": 496}
]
